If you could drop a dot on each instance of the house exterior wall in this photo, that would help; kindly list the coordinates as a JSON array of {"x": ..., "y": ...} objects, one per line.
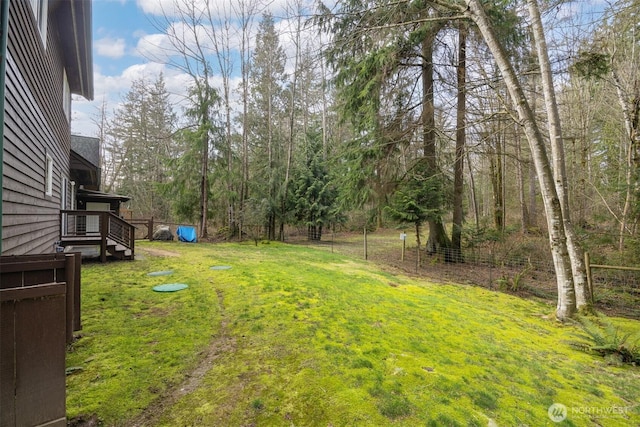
[{"x": 35, "y": 128}]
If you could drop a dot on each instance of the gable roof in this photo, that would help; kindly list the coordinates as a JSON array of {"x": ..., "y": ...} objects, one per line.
[
  {"x": 87, "y": 147},
  {"x": 84, "y": 167}
]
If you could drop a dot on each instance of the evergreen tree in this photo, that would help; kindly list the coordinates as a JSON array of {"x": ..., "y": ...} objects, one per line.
[
  {"x": 267, "y": 123},
  {"x": 376, "y": 72},
  {"x": 417, "y": 199},
  {"x": 142, "y": 129},
  {"x": 194, "y": 162},
  {"x": 314, "y": 195}
]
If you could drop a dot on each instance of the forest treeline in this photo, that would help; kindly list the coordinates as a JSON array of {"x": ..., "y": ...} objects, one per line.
[{"x": 456, "y": 117}]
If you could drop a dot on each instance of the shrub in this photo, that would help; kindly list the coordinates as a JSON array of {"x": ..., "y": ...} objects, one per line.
[{"x": 600, "y": 336}]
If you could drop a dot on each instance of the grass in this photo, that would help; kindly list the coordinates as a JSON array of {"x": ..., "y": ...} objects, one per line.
[{"x": 313, "y": 338}]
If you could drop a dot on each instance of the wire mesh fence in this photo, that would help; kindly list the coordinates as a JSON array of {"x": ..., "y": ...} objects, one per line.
[
  {"x": 617, "y": 289},
  {"x": 520, "y": 264}
]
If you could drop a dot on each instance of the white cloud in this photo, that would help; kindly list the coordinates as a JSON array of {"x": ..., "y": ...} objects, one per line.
[
  {"x": 155, "y": 47},
  {"x": 110, "y": 47},
  {"x": 111, "y": 89},
  {"x": 157, "y": 53},
  {"x": 220, "y": 9},
  {"x": 173, "y": 8},
  {"x": 158, "y": 7}
]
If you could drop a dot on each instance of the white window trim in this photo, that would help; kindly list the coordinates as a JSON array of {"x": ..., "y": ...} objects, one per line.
[
  {"x": 48, "y": 179},
  {"x": 40, "y": 9}
]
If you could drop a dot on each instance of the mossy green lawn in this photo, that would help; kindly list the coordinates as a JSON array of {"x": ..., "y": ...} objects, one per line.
[{"x": 313, "y": 338}]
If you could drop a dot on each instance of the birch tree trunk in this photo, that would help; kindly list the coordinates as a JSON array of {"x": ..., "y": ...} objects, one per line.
[
  {"x": 245, "y": 11},
  {"x": 220, "y": 37},
  {"x": 293, "y": 95},
  {"x": 630, "y": 155},
  {"x": 566, "y": 305},
  {"x": 557, "y": 154},
  {"x": 458, "y": 186},
  {"x": 524, "y": 213},
  {"x": 472, "y": 192}
]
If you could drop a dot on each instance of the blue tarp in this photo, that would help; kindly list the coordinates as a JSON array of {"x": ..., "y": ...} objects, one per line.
[{"x": 186, "y": 233}]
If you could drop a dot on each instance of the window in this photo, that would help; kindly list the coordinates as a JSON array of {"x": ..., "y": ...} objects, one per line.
[
  {"x": 66, "y": 96},
  {"x": 40, "y": 9},
  {"x": 48, "y": 179}
]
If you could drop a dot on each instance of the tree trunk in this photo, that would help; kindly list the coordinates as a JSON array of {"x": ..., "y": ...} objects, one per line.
[
  {"x": 632, "y": 153},
  {"x": 221, "y": 46},
  {"x": 458, "y": 166},
  {"x": 292, "y": 121},
  {"x": 566, "y": 306},
  {"x": 418, "y": 243},
  {"x": 497, "y": 182},
  {"x": 245, "y": 12},
  {"x": 472, "y": 192},
  {"x": 204, "y": 188},
  {"x": 533, "y": 200},
  {"x": 314, "y": 233},
  {"x": 576, "y": 254},
  {"x": 438, "y": 242},
  {"x": 524, "y": 212}
]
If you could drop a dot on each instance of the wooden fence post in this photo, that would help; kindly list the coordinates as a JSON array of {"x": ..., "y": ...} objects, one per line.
[
  {"x": 587, "y": 266},
  {"x": 70, "y": 279},
  {"x": 366, "y": 254}
]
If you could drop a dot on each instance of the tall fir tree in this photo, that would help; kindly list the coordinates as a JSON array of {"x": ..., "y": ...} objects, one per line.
[
  {"x": 267, "y": 123},
  {"x": 141, "y": 130}
]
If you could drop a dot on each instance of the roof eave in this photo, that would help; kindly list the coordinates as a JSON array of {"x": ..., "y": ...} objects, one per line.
[{"x": 76, "y": 32}]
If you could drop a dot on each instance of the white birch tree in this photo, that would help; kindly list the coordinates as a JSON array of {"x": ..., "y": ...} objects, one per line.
[
  {"x": 557, "y": 154},
  {"x": 566, "y": 305}
]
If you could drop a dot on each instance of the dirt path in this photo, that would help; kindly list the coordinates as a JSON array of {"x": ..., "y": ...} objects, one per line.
[
  {"x": 159, "y": 252},
  {"x": 221, "y": 344}
]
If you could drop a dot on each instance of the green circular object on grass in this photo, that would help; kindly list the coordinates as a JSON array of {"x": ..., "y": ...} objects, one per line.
[
  {"x": 221, "y": 267},
  {"x": 160, "y": 273},
  {"x": 170, "y": 287}
]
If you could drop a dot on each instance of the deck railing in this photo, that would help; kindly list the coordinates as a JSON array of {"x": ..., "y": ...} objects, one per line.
[{"x": 96, "y": 227}]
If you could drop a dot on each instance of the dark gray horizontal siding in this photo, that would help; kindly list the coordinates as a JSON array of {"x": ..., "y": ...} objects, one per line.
[
  {"x": 21, "y": 226},
  {"x": 40, "y": 243},
  {"x": 19, "y": 180},
  {"x": 19, "y": 203},
  {"x": 40, "y": 67},
  {"x": 35, "y": 125},
  {"x": 23, "y": 230}
]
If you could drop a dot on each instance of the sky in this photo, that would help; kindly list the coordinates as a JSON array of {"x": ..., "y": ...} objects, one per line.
[
  {"x": 119, "y": 26},
  {"x": 126, "y": 33}
]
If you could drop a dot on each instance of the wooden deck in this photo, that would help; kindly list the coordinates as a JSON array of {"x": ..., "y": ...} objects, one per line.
[{"x": 114, "y": 236}]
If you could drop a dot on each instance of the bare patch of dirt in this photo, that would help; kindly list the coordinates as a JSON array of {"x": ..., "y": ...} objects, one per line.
[
  {"x": 159, "y": 252},
  {"x": 84, "y": 421},
  {"x": 153, "y": 311},
  {"x": 222, "y": 344}
]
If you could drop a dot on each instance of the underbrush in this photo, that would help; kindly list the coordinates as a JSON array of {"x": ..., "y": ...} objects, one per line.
[{"x": 601, "y": 336}]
